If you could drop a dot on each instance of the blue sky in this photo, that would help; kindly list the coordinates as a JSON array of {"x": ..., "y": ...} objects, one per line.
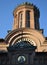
[{"x": 6, "y": 14}]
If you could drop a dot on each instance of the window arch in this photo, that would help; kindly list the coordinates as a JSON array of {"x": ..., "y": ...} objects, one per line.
[
  {"x": 20, "y": 19},
  {"x": 27, "y": 18}
]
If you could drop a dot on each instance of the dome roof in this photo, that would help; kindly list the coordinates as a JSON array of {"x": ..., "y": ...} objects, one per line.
[{"x": 26, "y": 3}]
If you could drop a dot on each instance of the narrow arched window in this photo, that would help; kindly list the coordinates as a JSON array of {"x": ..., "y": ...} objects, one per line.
[
  {"x": 27, "y": 18},
  {"x": 20, "y": 19}
]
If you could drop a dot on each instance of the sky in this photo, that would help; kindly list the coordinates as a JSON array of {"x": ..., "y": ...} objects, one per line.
[{"x": 6, "y": 14}]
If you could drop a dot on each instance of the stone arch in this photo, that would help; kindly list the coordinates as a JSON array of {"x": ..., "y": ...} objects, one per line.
[{"x": 25, "y": 34}]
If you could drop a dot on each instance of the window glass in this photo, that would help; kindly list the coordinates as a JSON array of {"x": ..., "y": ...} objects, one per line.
[
  {"x": 21, "y": 59},
  {"x": 20, "y": 20},
  {"x": 27, "y": 18}
]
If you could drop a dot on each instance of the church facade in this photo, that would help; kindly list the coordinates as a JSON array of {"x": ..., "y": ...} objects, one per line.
[{"x": 25, "y": 43}]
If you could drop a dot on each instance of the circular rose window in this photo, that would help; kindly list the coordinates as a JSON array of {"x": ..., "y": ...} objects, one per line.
[{"x": 21, "y": 59}]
